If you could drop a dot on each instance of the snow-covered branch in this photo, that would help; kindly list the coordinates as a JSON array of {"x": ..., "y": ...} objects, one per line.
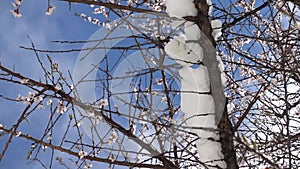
[{"x": 188, "y": 49}]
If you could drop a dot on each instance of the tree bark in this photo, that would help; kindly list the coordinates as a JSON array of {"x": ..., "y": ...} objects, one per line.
[{"x": 226, "y": 138}]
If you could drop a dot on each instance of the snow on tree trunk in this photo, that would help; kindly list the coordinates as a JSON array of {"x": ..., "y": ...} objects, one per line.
[{"x": 197, "y": 101}]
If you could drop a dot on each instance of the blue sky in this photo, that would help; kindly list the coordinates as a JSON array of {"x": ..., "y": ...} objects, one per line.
[{"x": 42, "y": 29}]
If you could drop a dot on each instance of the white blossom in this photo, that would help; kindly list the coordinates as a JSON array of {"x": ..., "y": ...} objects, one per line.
[
  {"x": 89, "y": 19},
  {"x": 41, "y": 105},
  {"x": 71, "y": 87},
  {"x": 132, "y": 128},
  {"x": 113, "y": 138},
  {"x": 27, "y": 101},
  {"x": 143, "y": 117},
  {"x": 38, "y": 99},
  {"x": 103, "y": 102},
  {"x": 153, "y": 60},
  {"x": 297, "y": 25},
  {"x": 44, "y": 147},
  {"x": 82, "y": 15},
  {"x": 54, "y": 67},
  {"x": 31, "y": 95},
  {"x": 108, "y": 26},
  {"x": 111, "y": 157},
  {"x": 88, "y": 165},
  {"x": 90, "y": 114},
  {"x": 19, "y": 98},
  {"x": 49, "y": 102},
  {"x": 18, "y": 133},
  {"x": 78, "y": 123},
  {"x": 17, "y": 3},
  {"x": 147, "y": 91},
  {"x": 49, "y": 138},
  {"x": 50, "y": 10},
  {"x": 24, "y": 81},
  {"x": 163, "y": 99},
  {"x": 95, "y": 21},
  {"x": 98, "y": 119},
  {"x": 99, "y": 10},
  {"x": 61, "y": 109},
  {"x": 159, "y": 81},
  {"x": 130, "y": 3},
  {"x": 57, "y": 87},
  {"x": 82, "y": 154}
]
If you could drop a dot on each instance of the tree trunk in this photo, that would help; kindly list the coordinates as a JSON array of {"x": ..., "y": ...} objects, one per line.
[
  {"x": 224, "y": 125},
  {"x": 226, "y": 138}
]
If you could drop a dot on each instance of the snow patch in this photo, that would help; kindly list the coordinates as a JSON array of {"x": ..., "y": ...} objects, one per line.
[
  {"x": 194, "y": 84},
  {"x": 196, "y": 101},
  {"x": 184, "y": 54},
  {"x": 177, "y": 23},
  {"x": 209, "y": 3},
  {"x": 192, "y": 31},
  {"x": 181, "y": 8},
  {"x": 210, "y": 150},
  {"x": 222, "y": 68},
  {"x": 216, "y": 27}
]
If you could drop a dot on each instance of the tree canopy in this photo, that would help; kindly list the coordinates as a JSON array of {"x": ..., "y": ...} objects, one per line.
[{"x": 127, "y": 101}]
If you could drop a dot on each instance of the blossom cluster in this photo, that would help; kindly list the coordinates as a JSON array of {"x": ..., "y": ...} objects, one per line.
[
  {"x": 95, "y": 21},
  {"x": 30, "y": 98},
  {"x": 88, "y": 165},
  {"x": 61, "y": 108},
  {"x": 16, "y": 12},
  {"x": 82, "y": 154},
  {"x": 156, "y": 5}
]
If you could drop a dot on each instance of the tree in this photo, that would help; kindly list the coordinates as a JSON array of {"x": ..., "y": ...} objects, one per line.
[{"x": 121, "y": 105}]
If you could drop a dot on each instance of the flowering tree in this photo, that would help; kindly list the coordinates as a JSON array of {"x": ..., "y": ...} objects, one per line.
[{"x": 148, "y": 89}]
